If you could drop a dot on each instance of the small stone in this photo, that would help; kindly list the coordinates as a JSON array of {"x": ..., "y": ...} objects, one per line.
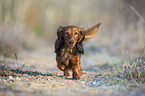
[
  {"x": 82, "y": 82},
  {"x": 48, "y": 79},
  {"x": 84, "y": 72},
  {"x": 94, "y": 83},
  {"x": 35, "y": 77},
  {"x": 10, "y": 77},
  {"x": 17, "y": 78},
  {"x": 11, "y": 81}
]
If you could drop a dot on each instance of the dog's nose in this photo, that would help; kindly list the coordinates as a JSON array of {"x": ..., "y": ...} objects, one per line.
[{"x": 71, "y": 42}]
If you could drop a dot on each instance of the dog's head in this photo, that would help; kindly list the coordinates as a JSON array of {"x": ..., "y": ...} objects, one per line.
[{"x": 72, "y": 36}]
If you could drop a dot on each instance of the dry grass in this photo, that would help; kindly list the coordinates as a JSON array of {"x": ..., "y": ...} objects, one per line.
[
  {"x": 122, "y": 77},
  {"x": 136, "y": 68},
  {"x": 11, "y": 40},
  {"x": 19, "y": 19}
]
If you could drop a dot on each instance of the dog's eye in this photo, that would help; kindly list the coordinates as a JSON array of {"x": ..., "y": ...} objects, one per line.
[{"x": 76, "y": 33}]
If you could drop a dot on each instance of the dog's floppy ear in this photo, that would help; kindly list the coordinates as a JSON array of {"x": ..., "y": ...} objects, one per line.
[
  {"x": 59, "y": 41},
  {"x": 90, "y": 33},
  {"x": 80, "y": 41},
  {"x": 59, "y": 34}
]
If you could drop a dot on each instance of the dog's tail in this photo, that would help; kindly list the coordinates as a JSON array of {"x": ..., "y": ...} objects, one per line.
[{"x": 90, "y": 33}]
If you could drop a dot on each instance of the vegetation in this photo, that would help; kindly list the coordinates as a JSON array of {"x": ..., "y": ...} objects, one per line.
[
  {"x": 125, "y": 76},
  {"x": 27, "y": 36}
]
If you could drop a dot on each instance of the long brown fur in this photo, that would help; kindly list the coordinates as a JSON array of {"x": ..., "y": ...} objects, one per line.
[{"x": 69, "y": 47}]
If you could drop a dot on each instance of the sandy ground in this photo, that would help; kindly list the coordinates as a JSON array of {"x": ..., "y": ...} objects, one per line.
[{"x": 47, "y": 79}]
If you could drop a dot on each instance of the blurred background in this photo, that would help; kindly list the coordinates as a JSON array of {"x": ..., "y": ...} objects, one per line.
[
  {"x": 23, "y": 23},
  {"x": 112, "y": 58}
]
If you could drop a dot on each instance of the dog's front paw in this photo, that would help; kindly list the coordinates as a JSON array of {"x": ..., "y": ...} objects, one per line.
[
  {"x": 76, "y": 77},
  {"x": 66, "y": 74}
]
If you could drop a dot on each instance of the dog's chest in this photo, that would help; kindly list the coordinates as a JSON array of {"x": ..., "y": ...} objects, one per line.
[{"x": 67, "y": 54}]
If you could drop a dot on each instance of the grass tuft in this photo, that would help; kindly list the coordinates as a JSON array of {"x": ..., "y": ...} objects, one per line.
[{"x": 124, "y": 76}]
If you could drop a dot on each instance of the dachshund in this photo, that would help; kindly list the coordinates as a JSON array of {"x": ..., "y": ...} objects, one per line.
[{"x": 69, "y": 47}]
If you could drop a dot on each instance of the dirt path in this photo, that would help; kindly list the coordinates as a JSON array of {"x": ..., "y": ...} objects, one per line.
[{"x": 40, "y": 76}]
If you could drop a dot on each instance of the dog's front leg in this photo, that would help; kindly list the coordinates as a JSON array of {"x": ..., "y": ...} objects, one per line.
[
  {"x": 66, "y": 71},
  {"x": 67, "y": 68},
  {"x": 76, "y": 68}
]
